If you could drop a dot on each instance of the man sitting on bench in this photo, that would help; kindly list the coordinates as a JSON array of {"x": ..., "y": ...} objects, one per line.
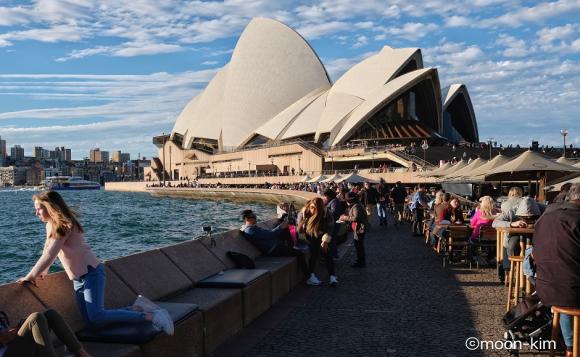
[{"x": 275, "y": 241}]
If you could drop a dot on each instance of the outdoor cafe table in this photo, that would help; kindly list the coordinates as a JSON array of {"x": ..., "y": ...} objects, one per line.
[{"x": 524, "y": 232}]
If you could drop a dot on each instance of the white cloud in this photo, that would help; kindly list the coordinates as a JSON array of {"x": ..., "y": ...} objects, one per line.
[
  {"x": 514, "y": 47},
  {"x": 550, "y": 34},
  {"x": 360, "y": 41},
  {"x": 313, "y": 31},
  {"x": 13, "y": 16},
  {"x": 411, "y": 31},
  {"x": 534, "y": 14},
  {"x": 457, "y": 21}
]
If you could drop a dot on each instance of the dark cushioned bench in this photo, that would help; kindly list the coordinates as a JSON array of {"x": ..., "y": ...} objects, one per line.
[
  {"x": 233, "y": 278},
  {"x": 137, "y": 333}
]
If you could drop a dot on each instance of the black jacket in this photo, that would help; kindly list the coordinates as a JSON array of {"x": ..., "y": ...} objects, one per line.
[{"x": 557, "y": 255}]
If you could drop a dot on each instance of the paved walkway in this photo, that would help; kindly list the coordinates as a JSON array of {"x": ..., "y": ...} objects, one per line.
[{"x": 403, "y": 304}]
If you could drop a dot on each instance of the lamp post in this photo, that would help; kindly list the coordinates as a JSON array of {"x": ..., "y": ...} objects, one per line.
[
  {"x": 272, "y": 163},
  {"x": 249, "y": 174},
  {"x": 424, "y": 146},
  {"x": 170, "y": 169},
  {"x": 373, "y": 152},
  {"x": 332, "y": 163},
  {"x": 299, "y": 168},
  {"x": 490, "y": 141},
  {"x": 564, "y": 132},
  {"x": 163, "y": 159}
]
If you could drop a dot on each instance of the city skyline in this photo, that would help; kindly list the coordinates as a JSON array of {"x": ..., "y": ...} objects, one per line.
[{"x": 119, "y": 83}]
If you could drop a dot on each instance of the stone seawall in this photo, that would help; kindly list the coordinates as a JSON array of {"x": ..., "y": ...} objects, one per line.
[{"x": 232, "y": 194}]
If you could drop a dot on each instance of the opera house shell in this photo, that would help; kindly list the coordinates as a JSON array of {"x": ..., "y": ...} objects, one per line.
[{"x": 276, "y": 89}]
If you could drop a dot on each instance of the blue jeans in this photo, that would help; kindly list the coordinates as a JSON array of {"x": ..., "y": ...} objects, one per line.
[
  {"x": 90, "y": 297},
  {"x": 567, "y": 329},
  {"x": 382, "y": 212}
]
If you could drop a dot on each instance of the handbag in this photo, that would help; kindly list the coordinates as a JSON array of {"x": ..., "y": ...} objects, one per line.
[{"x": 242, "y": 261}]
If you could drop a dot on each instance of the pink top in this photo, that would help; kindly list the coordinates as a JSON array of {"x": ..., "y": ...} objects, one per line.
[
  {"x": 72, "y": 251},
  {"x": 478, "y": 221}
]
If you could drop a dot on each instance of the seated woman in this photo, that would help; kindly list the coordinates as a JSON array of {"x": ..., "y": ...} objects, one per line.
[
  {"x": 483, "y": 216},
  {"x": 32, "y": 338},
  {"x": 454, "y": 213}
]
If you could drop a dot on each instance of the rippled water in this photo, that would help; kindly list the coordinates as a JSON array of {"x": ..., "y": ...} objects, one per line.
[{"x": 115, "y": 223}]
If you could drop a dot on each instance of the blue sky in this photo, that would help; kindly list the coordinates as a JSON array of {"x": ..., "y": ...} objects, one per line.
[{"x": 114, "y": 73}]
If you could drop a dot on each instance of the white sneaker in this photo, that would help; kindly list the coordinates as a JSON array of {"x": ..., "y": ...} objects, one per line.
[
  {"x": 145, "y": 305},
  {"x": 162, "y": 321},
  {"x": 333, "y": 280},
  {"x": 313, "y": 280}
]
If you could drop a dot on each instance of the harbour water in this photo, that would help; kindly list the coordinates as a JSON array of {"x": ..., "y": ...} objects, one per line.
[{"x": 116, "y": 224}]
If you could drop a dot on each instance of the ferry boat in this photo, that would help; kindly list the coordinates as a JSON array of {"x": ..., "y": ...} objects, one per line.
[{"x": 69, "y": 183}]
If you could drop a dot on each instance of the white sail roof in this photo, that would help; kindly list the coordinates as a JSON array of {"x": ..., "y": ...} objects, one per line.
[
  {"x": 379, "y": 98},
  {"x": 271, "y": 68}
]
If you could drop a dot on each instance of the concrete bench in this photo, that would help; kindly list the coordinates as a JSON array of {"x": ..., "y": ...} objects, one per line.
[
  {"x": 283, "y": 270},
  {"x": 222, "y": 308},
  {"x": 155, "y": 276},
  {"x": 55, "y": 292}
]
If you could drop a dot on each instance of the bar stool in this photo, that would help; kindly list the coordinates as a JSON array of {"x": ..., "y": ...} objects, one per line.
[
  {"x": 575, "y": 314},
  {"x": 516, "y": 263}
]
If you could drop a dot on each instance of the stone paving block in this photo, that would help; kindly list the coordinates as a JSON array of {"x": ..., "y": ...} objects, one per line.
[
  {"x": 151, "y": 274},
  {"x": 187, "y": 340},
  {"x": 56, "y": 292},
  {"x": 257, "y": 298},
  {"x": 194, "y": 259},
  {"x": 229, "y": 241},
  {"x": 222, "y": 310},
  {"x": 17, "y": 301},
  {"x": 282, "y": 270},
  {"x": 110, "y": 350}
]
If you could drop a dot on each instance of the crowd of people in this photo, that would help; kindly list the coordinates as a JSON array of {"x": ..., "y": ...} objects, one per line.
[{"x": 318, "y": 227}]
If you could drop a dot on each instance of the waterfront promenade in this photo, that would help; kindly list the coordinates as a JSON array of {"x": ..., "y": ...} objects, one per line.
[{"x": 403, "y": 304}]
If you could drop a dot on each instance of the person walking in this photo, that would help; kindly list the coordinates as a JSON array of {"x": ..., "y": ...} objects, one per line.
[
  {"x": 65, "y": 240},
  {"x": 398, "y": 195},
  {"x": 417, "y": 206},
  {"x": 358, "y": 219}
]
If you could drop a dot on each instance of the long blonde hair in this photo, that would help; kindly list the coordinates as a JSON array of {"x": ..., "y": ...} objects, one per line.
[
  {"x": 313, "y": 221},
  {"x": 63, "y": 219},
  {"x": 486, "y": 206}
]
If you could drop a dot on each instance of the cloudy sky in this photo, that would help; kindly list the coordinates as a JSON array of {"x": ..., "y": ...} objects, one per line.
[{"x": 114, "y": 73}]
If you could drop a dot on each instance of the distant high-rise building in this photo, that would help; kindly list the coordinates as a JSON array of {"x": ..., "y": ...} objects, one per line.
[
  {"x": 119, "y": 156},
  {"x": 105, "y": 156},
  {"x": 40, "y": 153},
  {"x": 96, "y": 155},
  {"x": 2, "y": 148},
  {"x": 67, "y": 155},
  {"x": 17, "y": 153}
]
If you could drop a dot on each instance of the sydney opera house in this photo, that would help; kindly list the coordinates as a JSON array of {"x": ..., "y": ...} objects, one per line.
[{"x": 273, "y": 107}]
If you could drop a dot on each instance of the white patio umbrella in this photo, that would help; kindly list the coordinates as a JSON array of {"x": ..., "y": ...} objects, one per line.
[
  {"x": 477, "y": 174},
  {"x": 333, "y": 178},
  {"x": 354, "y": 178},
  {"x": 466, "y": 169},
  {"x": 317, "y": 179},
  {"x": 306, "y": 178}
]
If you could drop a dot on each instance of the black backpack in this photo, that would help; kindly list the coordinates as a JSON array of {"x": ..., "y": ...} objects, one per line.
[{"x": 242, "y": 261}]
